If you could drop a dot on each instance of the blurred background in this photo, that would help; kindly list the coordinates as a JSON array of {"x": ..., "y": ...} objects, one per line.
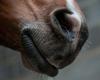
[{"x": 85, "y": 67}]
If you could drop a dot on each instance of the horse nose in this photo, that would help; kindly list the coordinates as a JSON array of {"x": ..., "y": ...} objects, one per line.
[{"x": 61, "y": 18}]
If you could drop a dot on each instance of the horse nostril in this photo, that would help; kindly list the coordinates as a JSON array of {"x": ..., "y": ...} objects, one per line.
[
  {"x": 61, "y": 18},
  {"x": 65, "y": 23}
]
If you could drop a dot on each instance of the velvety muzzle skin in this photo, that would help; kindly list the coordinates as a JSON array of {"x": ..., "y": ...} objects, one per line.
[{"x": 48, "y": 33}]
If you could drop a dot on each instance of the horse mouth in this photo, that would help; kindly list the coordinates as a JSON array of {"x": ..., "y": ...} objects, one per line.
[{"x": 50, "y": 48}]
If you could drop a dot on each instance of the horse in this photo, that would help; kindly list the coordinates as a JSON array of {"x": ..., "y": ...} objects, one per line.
[{"x": 49, "y": 34}]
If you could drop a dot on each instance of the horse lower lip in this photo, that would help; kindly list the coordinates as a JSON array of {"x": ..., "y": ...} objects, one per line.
[{"x": 32, "y": 52}]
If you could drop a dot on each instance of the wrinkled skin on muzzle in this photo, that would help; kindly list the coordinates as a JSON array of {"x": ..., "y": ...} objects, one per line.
[{"x": 49, "y": 33}]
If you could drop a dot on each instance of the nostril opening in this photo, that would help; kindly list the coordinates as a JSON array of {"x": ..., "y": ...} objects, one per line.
[
  {"x": 58, "y": 57},
  {"x": 63, "y": 20}
]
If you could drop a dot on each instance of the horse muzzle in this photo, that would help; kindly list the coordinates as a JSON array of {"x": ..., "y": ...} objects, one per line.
[{"x": 53, "y": 46}]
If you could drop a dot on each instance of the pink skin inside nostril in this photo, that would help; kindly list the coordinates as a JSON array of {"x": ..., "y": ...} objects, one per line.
[{"x": 75, "y": 24}]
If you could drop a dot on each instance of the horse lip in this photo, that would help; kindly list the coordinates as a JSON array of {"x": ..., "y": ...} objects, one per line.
[{"x": 32, "y": 51}]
